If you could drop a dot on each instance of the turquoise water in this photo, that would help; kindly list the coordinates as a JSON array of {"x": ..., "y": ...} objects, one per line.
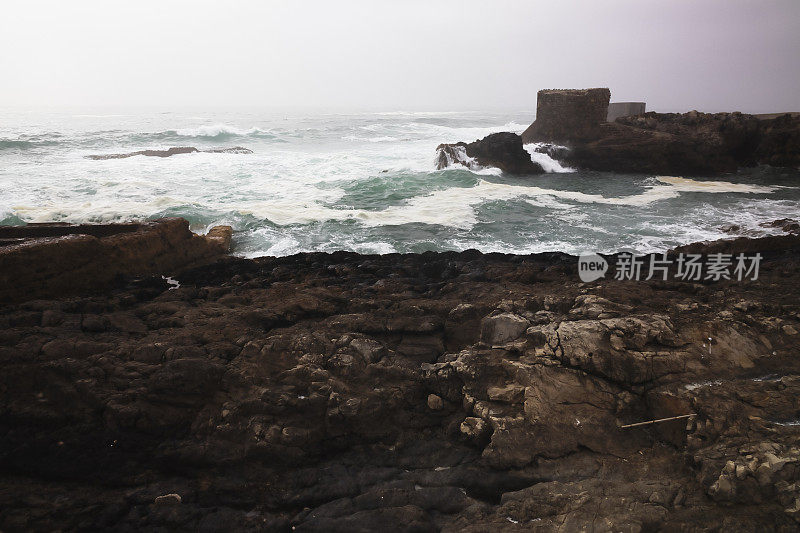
[{"x": 364, "y": 182}]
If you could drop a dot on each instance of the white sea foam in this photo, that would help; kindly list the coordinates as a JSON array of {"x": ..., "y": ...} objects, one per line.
[
  {"x": 378, "y": 139},
  {"x": 305, "y": 193},
  {"x": 690, "y": 185},
  {"x": 454, "y": 207},
  {"x": 548, "y": 163},
  {"x": 216, "y": 130}
]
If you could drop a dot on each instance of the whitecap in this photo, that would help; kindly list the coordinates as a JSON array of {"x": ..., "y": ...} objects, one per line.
[
  {"x": 549, "y": 164},
  {"x": 378, "y": 139},
  {"x": 216, "y": 130},
  {"x": 689, "y": 185}
]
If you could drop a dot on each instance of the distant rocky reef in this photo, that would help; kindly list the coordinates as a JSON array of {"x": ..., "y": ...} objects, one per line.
[
  {"x": 693, "y": 142},
  {"x": 664, "y": 143},
  {"x": 173, "y": 151}
]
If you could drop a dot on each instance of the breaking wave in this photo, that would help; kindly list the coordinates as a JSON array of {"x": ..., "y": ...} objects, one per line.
[
  {"x": 25, "y": 144},
  {"x": 361, "y": 182},
  {"x": 455, "y": 207},
  {"x": 220, "y": 130}
]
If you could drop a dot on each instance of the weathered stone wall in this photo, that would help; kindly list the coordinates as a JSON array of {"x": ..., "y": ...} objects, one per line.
[
  {"x": 564, "y": 115},
  {"x": 624, "y": 109}
]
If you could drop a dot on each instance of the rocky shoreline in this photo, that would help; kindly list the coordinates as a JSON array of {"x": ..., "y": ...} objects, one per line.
[
  {"x": 571, "y": 127},
  {"x": 52, "y": 259},
  {"x": 421, "y": 392}
]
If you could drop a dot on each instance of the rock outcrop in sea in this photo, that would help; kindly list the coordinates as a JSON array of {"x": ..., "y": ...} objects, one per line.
[
  {"x": 177, "y": 150},
  {"x": 664, "y": 143},
  {"x": 673, "y": 143},
  {"x": 421, "y": 392},
  {"x": 689, "y": 143},
  {"x": 501, "y": 150}
]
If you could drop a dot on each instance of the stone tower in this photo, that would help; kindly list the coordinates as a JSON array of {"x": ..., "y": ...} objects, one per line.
[{"x": 564, "y": 115}]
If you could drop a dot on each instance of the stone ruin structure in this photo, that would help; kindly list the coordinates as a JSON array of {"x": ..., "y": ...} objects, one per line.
[
  {"x": 565, "y": 115},
  {"x": 624, "y": 109}
]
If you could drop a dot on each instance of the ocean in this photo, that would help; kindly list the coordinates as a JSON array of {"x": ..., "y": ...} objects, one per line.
[{"x": 364, "y": 182}]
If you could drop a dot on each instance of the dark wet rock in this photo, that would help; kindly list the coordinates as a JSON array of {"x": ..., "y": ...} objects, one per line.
[
  {"x": 177, "y": 150},
  {"x": 555, "y": 151},
  {"x": 61, "y": 259},
  {"x": 340, "y": 392},
  {"x": 789, "y": 225},
  {"x": 667, "y": 143},
  {"x": 501, "y": 150},
  {"x": 671, "y": 143},
  {"x": 779, "y": 143},
  {"x": 693, "y": 142}
]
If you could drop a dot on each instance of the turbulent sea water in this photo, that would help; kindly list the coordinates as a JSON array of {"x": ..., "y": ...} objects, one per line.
[{"x": 363, "y": 182}]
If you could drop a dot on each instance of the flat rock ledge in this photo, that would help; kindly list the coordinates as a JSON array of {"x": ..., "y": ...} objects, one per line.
[{"x": 54, "y": 260}]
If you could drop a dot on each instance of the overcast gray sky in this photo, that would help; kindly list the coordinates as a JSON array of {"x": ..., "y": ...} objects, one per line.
[{"x": 677, "y": 55}]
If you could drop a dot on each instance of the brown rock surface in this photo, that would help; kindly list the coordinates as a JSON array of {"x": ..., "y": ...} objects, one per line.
[
  {"x": 699, "y": 143},
  {"x": 299, "y": 393},
  {"x": 41, "y": 260}
]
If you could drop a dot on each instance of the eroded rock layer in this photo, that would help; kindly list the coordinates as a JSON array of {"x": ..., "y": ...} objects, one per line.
[
  {"x": 689, "y": 143},
  {"x": 666, "y": 143},
  {"x": 45, "y": 260},
  {"x": 452, "y": 391}
]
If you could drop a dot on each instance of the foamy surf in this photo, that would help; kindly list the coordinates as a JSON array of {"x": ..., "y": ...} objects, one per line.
[
  {"x": 217, "y": 130},
  {"x": 454, "y": 207},
  {"x": 361, "y": 182},
  {"x": 690, "y": 185},
  {"x": 549, "y": 164}
]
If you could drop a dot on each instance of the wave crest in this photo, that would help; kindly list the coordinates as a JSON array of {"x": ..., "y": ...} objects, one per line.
[
  {"x": 220, "y": 130},
  {"x": 23, "y": 144}
]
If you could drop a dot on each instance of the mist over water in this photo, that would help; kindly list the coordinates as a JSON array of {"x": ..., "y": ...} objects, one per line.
[{"x": 363, "y": 182}]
